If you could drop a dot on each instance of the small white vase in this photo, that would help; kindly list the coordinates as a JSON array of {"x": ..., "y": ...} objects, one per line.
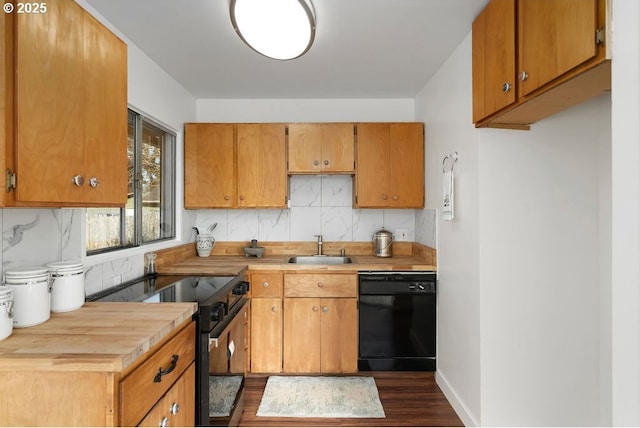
[{"x": 204, "y": 245}]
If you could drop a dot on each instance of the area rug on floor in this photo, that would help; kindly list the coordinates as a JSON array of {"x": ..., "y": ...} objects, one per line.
[
  {"x": 222, "y": 394},
  {"x": 321, "y": 397}
]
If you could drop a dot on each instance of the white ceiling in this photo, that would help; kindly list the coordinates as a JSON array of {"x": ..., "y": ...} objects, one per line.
[{"x": 363, "y": 48}]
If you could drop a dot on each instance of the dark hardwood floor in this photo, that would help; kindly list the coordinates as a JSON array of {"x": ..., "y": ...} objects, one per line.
[{"x": 408, "y": 399}]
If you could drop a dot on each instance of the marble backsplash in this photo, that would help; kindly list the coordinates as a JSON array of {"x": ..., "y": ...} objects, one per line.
[{"x": 319, "y": 205}]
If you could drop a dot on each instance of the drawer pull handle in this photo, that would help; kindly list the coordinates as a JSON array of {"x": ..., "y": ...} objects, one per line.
[
  {"x": 174, "y": 363},
  {"x": 175, "y": 408}
]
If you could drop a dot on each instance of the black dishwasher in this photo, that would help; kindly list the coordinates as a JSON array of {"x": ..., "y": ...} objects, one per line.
[{"x": 397, "y": 321}]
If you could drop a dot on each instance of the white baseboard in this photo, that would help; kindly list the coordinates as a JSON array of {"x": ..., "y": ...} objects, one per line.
[{"x": 463, "y": 413}]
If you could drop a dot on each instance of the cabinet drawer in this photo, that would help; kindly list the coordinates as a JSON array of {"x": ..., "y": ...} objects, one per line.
[
  {"x": 144, "y": 386},
  {"x": 266, "y": 285},
  {"x": 320, "y": 285}
]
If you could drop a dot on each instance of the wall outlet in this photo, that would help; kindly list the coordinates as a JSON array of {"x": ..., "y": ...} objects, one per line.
[
  {"x": 117, "y": 280},
  {"x": 401, "y": 235}
]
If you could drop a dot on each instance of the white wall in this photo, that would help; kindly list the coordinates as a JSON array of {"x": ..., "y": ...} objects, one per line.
[
  {"x": 445, "y": 107},
  {"x": 521, "y": 269},
  {"x": 626, "y": 214}
]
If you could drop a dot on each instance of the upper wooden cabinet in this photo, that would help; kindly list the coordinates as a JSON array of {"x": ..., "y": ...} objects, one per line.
[
  {"x": 65, "y": 93},
  {"x": 558, "y": 59},
  {"x": 235, "y": 165},
  {"x": 389, "y": 165},
  {"x": 209, "y": 165},
  {"x": 324, "y": 148},
  {"x": 262, "y": 173}
]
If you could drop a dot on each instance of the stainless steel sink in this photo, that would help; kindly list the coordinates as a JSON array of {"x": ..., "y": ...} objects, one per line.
[{"x": 320, "y": 260}]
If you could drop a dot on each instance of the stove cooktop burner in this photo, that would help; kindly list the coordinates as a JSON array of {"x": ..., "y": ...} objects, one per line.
[{"x": 165, "y": 289}]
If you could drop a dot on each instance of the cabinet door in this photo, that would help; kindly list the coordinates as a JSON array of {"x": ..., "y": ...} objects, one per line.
[
  {"x": 555, "y": 36},
  {"x": 71, "y": 108},
  {"x": 209, "y": 173},
  {"x": 49, "y": 122},
  {"x": 302, "y": 335},
  {"x": 338, "y": 148},
  {"x": 321, "y": 148},
  {"x": 266, "y": 335},
  {"x": 493, "y": 58},
  {"x": 339, "y": 336},
  {"x": 406, "y": 159},
  {"x": 262, "y": 174},
  {"x": 305, "y": 148},
  {"x": 105, "y": 114},
  {"x": 372, "y": 163}
]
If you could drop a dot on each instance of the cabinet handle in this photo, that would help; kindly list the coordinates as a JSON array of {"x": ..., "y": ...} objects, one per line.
[
  {"x": 94, "y": 182},
  {"x": 395, "y": 197},
  {"x": 174, "y": 409},
  {"x": 274, "y": 309},
  {"x": 172, "y": 366},
  {"x": 316, "y": 163},
  {"x": 523, "y": 75},
  {"x": 506, "y": 87},
  {"x": 265, "y": 284},
  {"x": 242, "y": 197},
  {"x": 385, "y": 197},
  {"x": 315, "y": 309},
  {"x": 320, "y": 284},
  {"x": 227, "y": 197},
  {"x": 325, "y": 309},
  {"x": 78, "y": 180},
  {"x": 326, "y": 162},
  {"x": 164, "y": 422}
]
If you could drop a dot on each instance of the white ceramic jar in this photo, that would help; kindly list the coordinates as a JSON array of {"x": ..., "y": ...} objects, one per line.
[
  {"x": 6, "y": 312},
  {"x": 67, "y": 288},
  {"x": 31, "y": 295},
  {"x": 204, "y": 244}
]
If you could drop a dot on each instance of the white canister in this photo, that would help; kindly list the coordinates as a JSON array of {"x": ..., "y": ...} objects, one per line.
[
  {"x": 6, "y": 312},
  {"x": 204, "y": 244},
  {"x": 67, "y": 288},
  {"x": 31, "y": 295}
]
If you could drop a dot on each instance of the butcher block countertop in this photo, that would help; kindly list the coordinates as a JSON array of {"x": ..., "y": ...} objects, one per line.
[
  {"x": 100, "y": 336},
  {"x": 234, "y": 265},
  {"x": 227, "y": 258}
]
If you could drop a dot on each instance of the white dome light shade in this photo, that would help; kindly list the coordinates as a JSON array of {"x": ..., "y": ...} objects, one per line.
[{"x": 278, "y": 29}]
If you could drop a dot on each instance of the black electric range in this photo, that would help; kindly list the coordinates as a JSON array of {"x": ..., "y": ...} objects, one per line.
[{"x": 219, "y": 299}]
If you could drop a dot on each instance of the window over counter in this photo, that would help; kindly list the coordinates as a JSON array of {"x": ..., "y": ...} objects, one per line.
[{"x": 149, "y": 214}]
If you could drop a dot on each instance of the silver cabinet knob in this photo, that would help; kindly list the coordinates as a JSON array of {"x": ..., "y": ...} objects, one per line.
[
  {"x": 94, "y": 182},
  {"x": 326, "y": 162},
  {"x": 174, "y": 409},
  {"x": 316, "y": 163},
  {"x": 523, "y": 75},
  {"x": 265, "y": 284},
  {"x": 325, "y": 309},
  {"x": 506, "y": 87},
  {"x": 164, "y": 422},
  {"x": 78, "y": 180}
]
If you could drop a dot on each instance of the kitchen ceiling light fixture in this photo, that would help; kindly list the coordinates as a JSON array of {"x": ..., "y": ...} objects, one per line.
[{"x": 278, "y": 29}]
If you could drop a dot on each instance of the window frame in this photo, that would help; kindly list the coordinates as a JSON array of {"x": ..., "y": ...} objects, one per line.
[{"x": 168, "y": 207}]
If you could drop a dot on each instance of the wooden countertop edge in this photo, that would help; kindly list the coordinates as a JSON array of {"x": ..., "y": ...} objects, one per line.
[{"x": 156, "y": 333}]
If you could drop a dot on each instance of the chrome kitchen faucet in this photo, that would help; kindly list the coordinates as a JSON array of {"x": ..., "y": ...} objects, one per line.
[{"x": 319, "y": 244}]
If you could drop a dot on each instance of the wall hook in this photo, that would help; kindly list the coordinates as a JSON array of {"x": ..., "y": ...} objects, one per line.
[{"x": 453, "y": 157}]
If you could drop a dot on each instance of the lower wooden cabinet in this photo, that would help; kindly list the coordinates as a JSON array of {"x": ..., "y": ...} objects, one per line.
[
  {"x": 320, "y": 323},
  {"x": 304, "y": 323},
  {"x": 320, "y": 335},
  {"x": 266, "y": 322}
]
